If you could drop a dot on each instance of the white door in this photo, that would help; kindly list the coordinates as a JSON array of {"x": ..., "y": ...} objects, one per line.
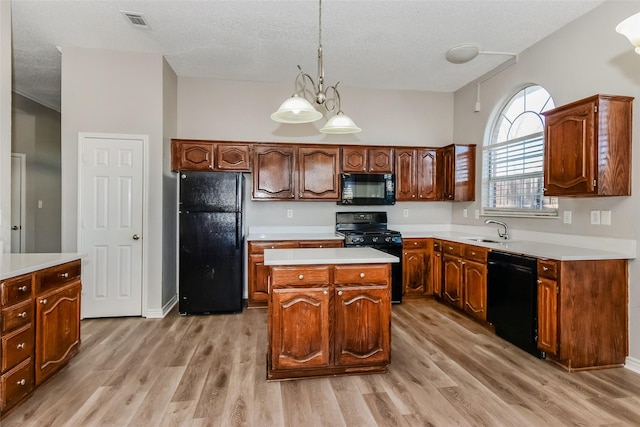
[
  {"x": 111, "y": 201},
  {"x": 18, "y": 197}
]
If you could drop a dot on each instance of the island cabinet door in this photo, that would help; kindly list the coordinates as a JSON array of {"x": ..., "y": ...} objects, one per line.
[
  {"x": 300, "y": 327},
  {"x": 363, "y": 325}
]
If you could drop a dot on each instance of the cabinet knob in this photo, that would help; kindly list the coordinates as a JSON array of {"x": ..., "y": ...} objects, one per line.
[
  {"x": 22, "y": 288},
  {"x": 362, "y": 275},
  {"x": 473, "y": 253},
  {"x": 545, "y": 268},
  {"x": 450, "y": 248},
  {"x": 21, "y": 382},
  {"x": 64, "y": 275},
  {"x": 273, "y": 247},
  {"x": 43, "y": 301},
  {"x": 325, "y": 292},
  {"x": 539, "y": 281},
  {"x": 301, "y": 276},
  {"x": 320, "y": 246},
  {"x": 21, "y": 346},
  {"x": 339, "y": 292},
  {"x": 23, "y": 314}
]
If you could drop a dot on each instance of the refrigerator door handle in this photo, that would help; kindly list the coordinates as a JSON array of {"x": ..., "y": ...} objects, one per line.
[
  {"x": 239, "y": 192},
  {"x": 238, "y": 230}
]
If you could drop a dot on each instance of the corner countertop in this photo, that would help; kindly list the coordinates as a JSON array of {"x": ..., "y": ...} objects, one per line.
[
  {"x": 310, "y": 256},
  {"x": 12, "y": 265}
]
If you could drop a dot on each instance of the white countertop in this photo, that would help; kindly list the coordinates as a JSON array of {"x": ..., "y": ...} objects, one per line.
[
  {"x": 535, "y": 249},
  {"x": 12, "y": 265},
  {"x": 293, "y": 236},
  {"x": 310, "y": 256}
]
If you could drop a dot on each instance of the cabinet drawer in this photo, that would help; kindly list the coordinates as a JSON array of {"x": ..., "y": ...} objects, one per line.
[
  {"x": 57, "y": 276},
  {"x": 321, "y": 244},
  {"x": 16, "y": 347},
  {"x": 259, "y": 247},
  {"x": 17, "y": 315},
  {"x": 415, "y": 243},
  {"x": 16, "y": 289},
  {"x": 475, "y": 253},
  {"x": 451, "y": 248},
  {"x": 283, "y": 276},
  {"x": 350, "y": 274},
  {"x": 548, "y": 268},
  {"x": 16, "y": 384}
]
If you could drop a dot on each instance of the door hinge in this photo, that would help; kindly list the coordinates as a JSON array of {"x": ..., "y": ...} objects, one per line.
[
  {"x": 595, "y": 108},
  {"x": 595, "y": 183}
]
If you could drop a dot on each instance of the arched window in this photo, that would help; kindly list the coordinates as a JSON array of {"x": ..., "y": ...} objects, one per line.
[{"x": 513, "y": 160}]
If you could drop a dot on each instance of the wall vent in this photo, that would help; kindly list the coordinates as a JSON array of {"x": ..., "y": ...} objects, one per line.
[{"x": 136, "y": 19}]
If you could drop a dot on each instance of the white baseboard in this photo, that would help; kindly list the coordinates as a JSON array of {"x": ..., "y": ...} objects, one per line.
[
  {"x": 632, "y": 364},
  {"x": 159, "y": 314}
]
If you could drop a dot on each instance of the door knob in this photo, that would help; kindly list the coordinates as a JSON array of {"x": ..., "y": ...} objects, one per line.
[
  {"x": 15, "y": 227},
  {"x": 136, "y": 237}
]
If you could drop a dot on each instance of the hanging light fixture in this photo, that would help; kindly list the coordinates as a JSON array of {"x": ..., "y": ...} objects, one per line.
[
  {"x": 298, "y": 109},
  {"x": 630, "y": 28}
]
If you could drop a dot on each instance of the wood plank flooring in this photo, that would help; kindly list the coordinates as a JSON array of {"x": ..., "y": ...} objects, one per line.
[{"x": 446, "y": 370}]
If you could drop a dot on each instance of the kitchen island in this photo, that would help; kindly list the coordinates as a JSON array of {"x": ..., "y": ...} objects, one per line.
[{"x": 329, "y": 312}]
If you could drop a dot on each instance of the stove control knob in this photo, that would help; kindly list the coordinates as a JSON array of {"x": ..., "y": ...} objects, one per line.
[{"x": 374, "y": 239}]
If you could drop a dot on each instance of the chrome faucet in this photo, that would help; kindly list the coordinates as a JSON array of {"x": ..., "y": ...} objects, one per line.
[{"x": 504, "y": 235}]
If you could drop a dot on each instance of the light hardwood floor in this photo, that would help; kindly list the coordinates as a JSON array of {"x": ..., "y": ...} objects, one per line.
[{"x": 210, "y": 370}]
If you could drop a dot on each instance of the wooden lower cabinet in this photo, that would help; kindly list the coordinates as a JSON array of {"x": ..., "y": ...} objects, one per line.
[
  {"x": 258, "y": 273},
  {"x": 57, "y": 329},
  {"x": 436, "y": 268},
  {"x": 416, "y": 271},
  {"x": 475, "y": 289},
  {"x": 329, "y": 320},
  {"x": 583, "y": 312},
  {"x": 465, "y": 278},
  {"x": 40, "y": 325}
]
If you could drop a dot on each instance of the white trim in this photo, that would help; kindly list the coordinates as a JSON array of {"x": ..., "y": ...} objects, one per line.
[
  {"x": 159, "y": 314},
  {"x": 632, "y": 364},
  {"x": 23, "y": 199},
  {"x": 145, "y": 200}
]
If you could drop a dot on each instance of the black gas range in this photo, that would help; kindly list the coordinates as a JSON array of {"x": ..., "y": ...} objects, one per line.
[{"x": 370, "y": 229}]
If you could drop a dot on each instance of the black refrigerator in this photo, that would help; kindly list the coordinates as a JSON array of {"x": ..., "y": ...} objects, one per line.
[{"x": 211, "y": 239}]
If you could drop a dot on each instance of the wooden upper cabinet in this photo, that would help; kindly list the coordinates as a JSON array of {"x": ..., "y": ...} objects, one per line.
[
  {"x": 359, "y": 159},
  {"x": 318, "y": 172},
  {"x": 427, "y": 175},
  {"x": 459, "y": 173},
  {"x": 406, "y": 186},
  {"x": 232, "y": 157},
  {"x": 587, "y": 147},
  {"x": 192, "y": 155},
  {"x": 196, "y": 155},
  {"x": 417, "y": 174},
  {"x": 273, "y": 172}
]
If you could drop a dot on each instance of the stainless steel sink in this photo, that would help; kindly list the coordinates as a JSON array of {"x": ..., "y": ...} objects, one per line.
[{"x": 487, "y": 241}]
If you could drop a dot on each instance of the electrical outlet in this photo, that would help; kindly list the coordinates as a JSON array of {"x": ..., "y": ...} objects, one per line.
[
  {"x": 405, "y": 213},
  {"x": 477, "y": 214},
  {"x": 465, "y": 213},
  {"x": 289, "y": 213},
  {"x": 595, "y": 217},
  {"x": 39, "y": 204},
  {"x": 605, "y": 217},
  {"x": 566, "y": 217}
]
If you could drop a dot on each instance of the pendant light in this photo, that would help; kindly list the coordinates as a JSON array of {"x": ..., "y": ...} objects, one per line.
[
  {"x": 630, "y": 28},
  {"x": 298, "y": 109}
]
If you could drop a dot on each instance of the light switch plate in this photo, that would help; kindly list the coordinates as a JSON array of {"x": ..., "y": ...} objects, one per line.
[
  {"x": 595, "y": 217},
  {"x": 605, "y": 217},
  {"x": 566, "y": 217}
]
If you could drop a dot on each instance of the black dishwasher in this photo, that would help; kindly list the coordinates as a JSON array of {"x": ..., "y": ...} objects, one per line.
[{"x": 512, "y": 299}]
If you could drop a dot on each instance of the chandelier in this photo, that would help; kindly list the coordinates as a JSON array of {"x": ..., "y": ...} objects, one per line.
[
  {"x": 630, "y": 28},
  {"x": 298, "y": 109}
]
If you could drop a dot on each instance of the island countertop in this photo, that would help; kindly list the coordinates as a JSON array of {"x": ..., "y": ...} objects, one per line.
[
  {"x": 12, "y": 265},
  {"x": 310, "y": 256}
]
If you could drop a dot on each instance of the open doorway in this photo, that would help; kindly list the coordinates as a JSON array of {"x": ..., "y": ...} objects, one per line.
[{"x": 18, "y": 201}]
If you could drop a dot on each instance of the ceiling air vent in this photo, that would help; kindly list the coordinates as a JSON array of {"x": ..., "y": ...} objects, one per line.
[{"x": 136, "y": 19}]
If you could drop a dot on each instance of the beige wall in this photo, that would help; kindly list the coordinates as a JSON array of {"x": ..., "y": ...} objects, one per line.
[
  {"x": 115, "y": 92},
  {"x": 5, "y": 126},
  {"x": 584, "y": 58},
  {"x": 36, "y": 133},
  {"x": 230, "y": 110}
]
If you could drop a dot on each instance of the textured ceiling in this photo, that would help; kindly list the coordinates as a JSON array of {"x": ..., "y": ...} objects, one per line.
[{"x": 368, "y": 44}]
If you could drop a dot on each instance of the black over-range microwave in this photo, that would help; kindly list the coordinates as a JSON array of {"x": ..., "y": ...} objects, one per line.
[{"x": 367, "y": 189}]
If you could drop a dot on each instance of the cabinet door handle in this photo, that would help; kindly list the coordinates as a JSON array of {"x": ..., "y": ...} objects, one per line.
[
  {"x": 339, "y": 292},
  {"x": 43, "y": 301},
  {"x": 362, "y": 275},
  {"x": 301, "y": 276},
  {"x": 21, "y": 382},
  {"x": 23, "y": 314},
  {"x": 21, "y": 346},
  {"x": 22, "y": 288}
]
